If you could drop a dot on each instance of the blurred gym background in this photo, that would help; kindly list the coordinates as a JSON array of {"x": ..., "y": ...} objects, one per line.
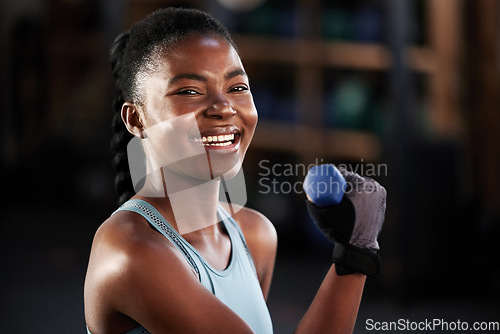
[{"x": 410, "y": 88}]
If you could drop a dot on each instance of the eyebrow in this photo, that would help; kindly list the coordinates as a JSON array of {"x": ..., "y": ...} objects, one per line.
[
  {"x": 235, "y": 73},
  {"x": 197, "y": 77},
  {"x": 190, "y": 76}
]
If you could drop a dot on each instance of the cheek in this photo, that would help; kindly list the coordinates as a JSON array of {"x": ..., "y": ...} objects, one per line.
[
  {"x": 249, "y": 113},
  {"x": 252, "y": 120},
  {"x": 169, "y": 140}
]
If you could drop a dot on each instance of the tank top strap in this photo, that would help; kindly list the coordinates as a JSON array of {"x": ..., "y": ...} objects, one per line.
[
  {"x": 233, "y": 227},
  {"x": 154, "y": 218}
]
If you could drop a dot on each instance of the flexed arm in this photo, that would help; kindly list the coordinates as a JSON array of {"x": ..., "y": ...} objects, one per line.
[{"x": 353, "y": 225}]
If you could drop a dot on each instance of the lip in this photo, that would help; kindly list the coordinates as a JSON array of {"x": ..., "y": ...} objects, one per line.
[{"x": 229, "y": 131}]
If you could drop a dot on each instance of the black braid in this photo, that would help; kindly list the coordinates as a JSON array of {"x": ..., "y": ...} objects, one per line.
[
  {"x": 123, "y": 181},
  {"x": 135, "y": 52}
]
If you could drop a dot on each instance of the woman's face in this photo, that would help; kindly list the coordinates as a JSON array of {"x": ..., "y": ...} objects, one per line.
[{"x": 199, "y": 116}]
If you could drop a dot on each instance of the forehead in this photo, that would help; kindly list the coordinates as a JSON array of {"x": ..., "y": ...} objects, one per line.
[{"x": 201, "y": 53}]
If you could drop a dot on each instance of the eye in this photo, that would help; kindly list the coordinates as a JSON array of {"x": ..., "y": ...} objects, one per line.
[
  {"x": 188, "y": 92},
  {"x": 239, "y": 89}
]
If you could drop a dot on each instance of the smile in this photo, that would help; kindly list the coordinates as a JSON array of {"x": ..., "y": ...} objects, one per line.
[{"x": 217, "y": 140}]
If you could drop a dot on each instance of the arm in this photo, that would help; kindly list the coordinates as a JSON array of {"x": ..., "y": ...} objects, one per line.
[
  {"x": 354, "y": 225},
  {"x": 335, "y": 307},
  {"x": 120, "y": 291}
]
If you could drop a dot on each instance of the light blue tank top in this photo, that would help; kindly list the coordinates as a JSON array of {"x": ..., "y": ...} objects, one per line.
[{"x": 237, "y": 286}]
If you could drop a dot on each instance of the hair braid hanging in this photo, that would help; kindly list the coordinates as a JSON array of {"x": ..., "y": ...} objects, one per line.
[{"x": 121, "y": 137}]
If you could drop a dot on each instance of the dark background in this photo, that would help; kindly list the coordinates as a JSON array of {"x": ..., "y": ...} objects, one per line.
[{"x": 422, "y": 101}]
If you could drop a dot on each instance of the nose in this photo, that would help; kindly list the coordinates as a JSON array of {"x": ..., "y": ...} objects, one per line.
[{"x": 220, "y": 109}]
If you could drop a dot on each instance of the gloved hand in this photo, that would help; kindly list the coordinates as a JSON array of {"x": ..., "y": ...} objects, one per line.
[{"x": 354, "y": 225}]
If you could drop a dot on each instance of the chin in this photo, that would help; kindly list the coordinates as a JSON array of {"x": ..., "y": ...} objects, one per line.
[
  {"x": 225, "y": 165},
  {"x": 203, "y": 168}
]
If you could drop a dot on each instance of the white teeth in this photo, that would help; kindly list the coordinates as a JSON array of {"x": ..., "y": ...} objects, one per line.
[{"x": 219, "y": 140}]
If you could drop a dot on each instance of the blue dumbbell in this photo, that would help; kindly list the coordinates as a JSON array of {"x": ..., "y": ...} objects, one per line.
[{"x": 324, "y": 185}]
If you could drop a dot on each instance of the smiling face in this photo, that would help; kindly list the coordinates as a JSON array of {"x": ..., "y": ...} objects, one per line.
[{"x": 198, "y": 113}]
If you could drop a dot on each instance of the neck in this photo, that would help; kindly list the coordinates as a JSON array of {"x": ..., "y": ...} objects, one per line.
[{"x": 188, "y": 204}]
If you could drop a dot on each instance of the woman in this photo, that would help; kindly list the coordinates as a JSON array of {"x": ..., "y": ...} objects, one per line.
[{"x": 183, "y": 90}]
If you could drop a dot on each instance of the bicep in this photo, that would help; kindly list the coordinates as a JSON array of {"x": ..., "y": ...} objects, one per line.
[{"x": 170, "y": 298}]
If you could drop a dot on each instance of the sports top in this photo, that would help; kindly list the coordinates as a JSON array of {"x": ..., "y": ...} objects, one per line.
[{"x": 237, "y": 286}]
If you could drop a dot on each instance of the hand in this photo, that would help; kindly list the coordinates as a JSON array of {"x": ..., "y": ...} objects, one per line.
[
  {"x": 354, "y": 224},
  {"x": 368, "y": 199}
]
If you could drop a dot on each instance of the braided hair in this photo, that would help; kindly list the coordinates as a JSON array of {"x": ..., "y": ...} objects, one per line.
[{"x": 136, "y": 53}]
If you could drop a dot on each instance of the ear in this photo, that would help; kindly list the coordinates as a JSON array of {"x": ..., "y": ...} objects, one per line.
[{"x": 132, "y": 119}]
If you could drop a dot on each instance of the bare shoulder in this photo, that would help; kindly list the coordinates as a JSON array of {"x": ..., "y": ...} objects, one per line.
[
  {"x": 126, "y": 233},
  {"x": 126, "y": 240},
  {"x": 256, "y": 227},
  {"x": 121, "y": 264}
]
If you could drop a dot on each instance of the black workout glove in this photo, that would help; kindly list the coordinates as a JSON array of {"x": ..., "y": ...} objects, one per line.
[{"x": 353, "y": 225}]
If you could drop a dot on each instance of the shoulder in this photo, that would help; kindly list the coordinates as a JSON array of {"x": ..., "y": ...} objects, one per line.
[
  {"x": 125, "y": 234},
  {"x": 255, "y": 224},
  {"x": 122, "y": 258},
  {"x": 126, "y": 239},
  {"x": 256, "y": 227}
]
